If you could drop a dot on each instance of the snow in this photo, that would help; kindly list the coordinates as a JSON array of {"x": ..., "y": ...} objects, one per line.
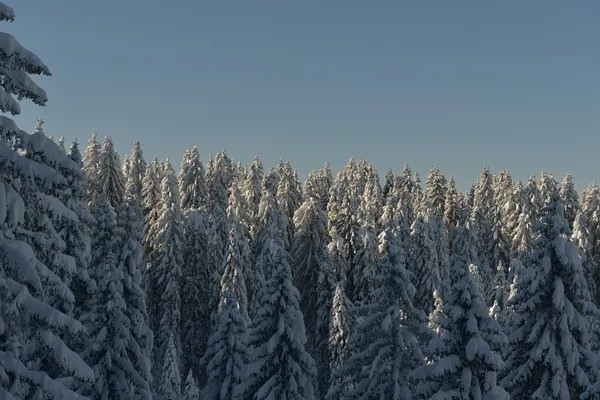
[
  {"x": 6, "y": 13},
  {"x": 16, "y": 57}
]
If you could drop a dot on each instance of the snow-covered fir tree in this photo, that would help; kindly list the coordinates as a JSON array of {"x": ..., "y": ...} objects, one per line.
[
  {"x": 197, "y": 280},
  {"x": 280, "y": 367},
  {"x": 464, "y": 362},
  {"x": 29, "y": 319},
  {"x": 435, "y": 191},
  {"x": 386, "y": 344},
  {"x": 91, "y": 158},
  {"x": 253, "y": 191},
  {"x": 191, "y": 391},
  {"x": 312, "y": 277},
  {"x": 570, "y": 198},
  {"x": 165, "y": 271},
  {"x": 109, "y": 178},
  {"x": 550, "y": 351},
  {"x": 134, "y": 179},
  {"x": 227, "y": 351},
  {"x": 424, "y": 264},
  {"x": 170, "y": 380},
  {"x": 192, "y": 183}
]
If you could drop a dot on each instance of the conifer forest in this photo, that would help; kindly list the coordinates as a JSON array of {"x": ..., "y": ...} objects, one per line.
[{"x": 122, "y": 279}]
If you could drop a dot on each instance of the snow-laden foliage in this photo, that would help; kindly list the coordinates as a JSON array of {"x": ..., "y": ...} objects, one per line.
[
  {"x": 386, "y": 343},
  {"x": 550, "y": 346},
  {"x": 464, "y": 362},
  {"x": 192, "y": 183},
  {"x": 165, "y": 270},
  {"x": 134, "y": 178},
  {"x": 196, "y": 274},
  {"x": 281, "y": 368}
]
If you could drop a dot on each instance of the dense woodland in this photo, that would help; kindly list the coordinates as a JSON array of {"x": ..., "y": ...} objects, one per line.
[{"x": 120, "y": 279}]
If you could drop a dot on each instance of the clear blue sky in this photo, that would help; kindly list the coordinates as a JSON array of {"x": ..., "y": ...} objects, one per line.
[{"x": 514, "y": 84}]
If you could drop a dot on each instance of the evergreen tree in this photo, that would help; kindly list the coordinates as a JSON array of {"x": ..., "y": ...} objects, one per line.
[
  {"x": 498, "y": 294},
  {"x": 61, "y": 144},
  {"x": 91, "y": 158},
  {"x": 390, "y": 178},
  {"x": 165, "y": 269},
  {"x": 191, "y": 391},
  {"x": 289, "y": 196},
  {"x": 227, "y": 350},
  {"x": 464, "y": 361},
  {"x": 550, "y": 351},
  {"x": 141, "y": 338},
  {"x": 341, "y": 325},
  {"x": 435, "y": 191},
  {"x": 170, "y": 380},
  {"x": 112, "y": 351},
  {"x": 281, "y": 367},
  {"x": 109, "y": 178},
  {"x": 197, "y": 280},
  {"x": 581, "y": 238},
  {"x": 134, "y": 179},
  {"x": 325, "y": 181},
  {"x": 451, "y": 208},
  {"x": 309, "y": 257},
  {"x": 192, "y": 184},
  {"x": 569, "y": 197},
  {"x": 31, "y": 191},
  {"x": 386, "y": 341},
  {"x": 424, "y": 265},
  {"x": 253, "y": 191}
]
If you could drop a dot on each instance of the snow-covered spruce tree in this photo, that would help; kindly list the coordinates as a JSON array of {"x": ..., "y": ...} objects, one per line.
[
  {"x": 451, "y": 209},
  {"x": 191, "y": 391},
  {"x": 165, "y": 264},
  {"x": 435, "y": 191},
  {"x": 197, "y": 279},
  {"x": 312, "y": 277},
  {"x": 125, "y": 167},
  {"x": 270, "y": 214},
  {"x": 28, "y": 319},
  {"x": 366, "y": 261},
  {"x": 170, "y": 380},
  {"x": 253, "y": 191},
  {"x": 280, "y": 367},
  {"x": 390, "y": 178},
  {"x": 418, "y": 198},
  {"x": 325, "y": 181},
  {"x": 109, "y": 178},
  {"x": 550, "y": 351},
  {"x": 237, "y": 254},
  {"x": 343, "y": 225},
  {"x": 498, "y": 295},
  {"x": 151, "y": 197},
  {"x": 227, "y": 351},
  {"x": 341, "y": 326},
  {"x": 481, "y": 222},
  {"x": 532, "y": 195},
  {"x": 111, "y": 350},
  {"x": 289, "y": 196},
  {"x": 386, "y": 344},
  {"x": 91, "y": 159},
  {"x": 581, "y": 238},
  {"x": 192, "y": 184},
  {"x": 131, "y": 263},
  {"x": 309, "y": 256},
  {"x": 424, "y": 264},
  {"x": 134, "y": 179},
  {"x": 569, "y": 197},
  {"x": 61, "y": 144},
  {"x": 77, "y": 234},
  {"x": 464, "y": 362}
]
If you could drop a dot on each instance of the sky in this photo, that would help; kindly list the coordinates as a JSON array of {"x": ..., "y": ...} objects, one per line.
[{"x": 457, "y": 84}]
